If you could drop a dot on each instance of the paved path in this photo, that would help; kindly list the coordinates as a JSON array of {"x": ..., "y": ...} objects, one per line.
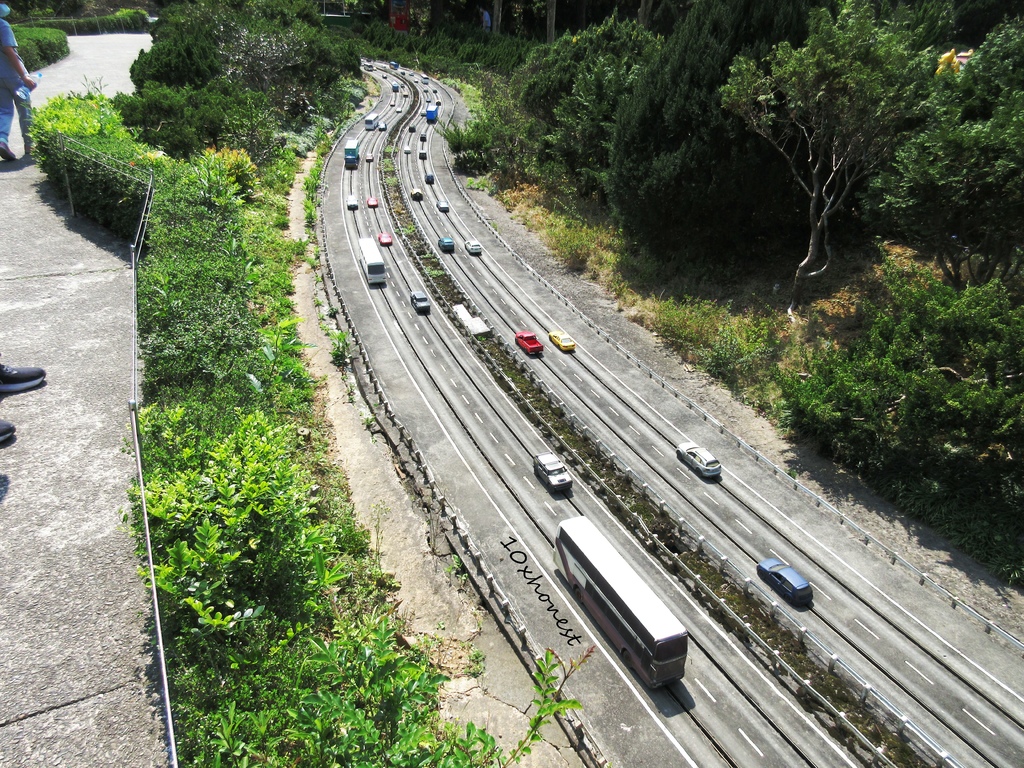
[{"x": 74, "y": 644}]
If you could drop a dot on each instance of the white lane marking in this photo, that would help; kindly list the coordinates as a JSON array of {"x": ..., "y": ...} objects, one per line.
[
  {"x": 432, "y": 353},
  {"x": 550, "y": 508},
  {"x": 452, "y": 381},
  {"x": 655, "y": 449},
  {"x": 465, "y": 400},
  {"x": 492, "y": 436},
  {"x": 866, "y": 629},
  {"x": 977, "y": 721},
  {"x": 613, "y": 413},
  {"x": 752, "y": 744},
  {"x": 443, "y": 368},
  {"x": 683, "y": 472},
  {"x": 576, "y": 375},
  {"x": 478, "y": 417},
  {"x": 741, "y": 525},
  {"x": 713, "y": 499},
  {"x": 706, "y": 691},
  {"x": 595, "y": 394},
  {"x": 922, "y": 674},
  {"x": 425, "y": 342},
  {"x": 633, "y": 428},
  {"x": 510, "y": 460}
]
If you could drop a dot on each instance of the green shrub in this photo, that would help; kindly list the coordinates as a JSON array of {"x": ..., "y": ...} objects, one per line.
[
  {"x": 117, "y": 189},
  {"x": 184, "y": 52},
  {"x": 125, "y": 20},
  {"x": 39, "y": 48},
  {"x": 927, "y": 404}
]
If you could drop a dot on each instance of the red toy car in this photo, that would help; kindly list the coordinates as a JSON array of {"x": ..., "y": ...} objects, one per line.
[
  {"x": 384, "y": 238},
  {"x": 529, "y": 342},
  {"x": 371, "y": 202}
]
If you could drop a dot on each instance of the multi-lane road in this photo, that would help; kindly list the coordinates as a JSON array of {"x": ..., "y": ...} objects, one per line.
[{"x": 960, "y": 686}]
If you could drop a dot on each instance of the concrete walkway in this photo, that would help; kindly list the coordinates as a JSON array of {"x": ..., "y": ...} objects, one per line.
[{"x": 74, "y": 640}]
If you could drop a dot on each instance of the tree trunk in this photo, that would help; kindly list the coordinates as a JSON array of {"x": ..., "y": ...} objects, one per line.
[
  {"x": 644, "y": 17},
  {"x": 496, "y": 16},
  {"x": 436, "y": 13},
  {"x": 551, "y": 21},
  {"x": 803, "y": 271},
  {"x": 581, "y": 15}
]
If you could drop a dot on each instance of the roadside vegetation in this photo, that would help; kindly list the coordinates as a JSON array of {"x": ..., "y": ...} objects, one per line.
[
  {"x": 815, "y": 203},
  {"x": 641, "y": 153},
  {"x": 283, "y": 645}
]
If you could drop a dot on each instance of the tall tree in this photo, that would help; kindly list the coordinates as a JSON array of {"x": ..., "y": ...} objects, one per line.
[
  {"x": 572, "y": 90},
  {"x": 644, "y": 14},
  {"x": 834, "y": 110},
  {"x": 684, "y": 175}
]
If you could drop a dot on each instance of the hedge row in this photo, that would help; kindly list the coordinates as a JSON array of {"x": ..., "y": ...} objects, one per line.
[
  {"x": 41, "y": 47},
  {"x": 128, "y": 20}
]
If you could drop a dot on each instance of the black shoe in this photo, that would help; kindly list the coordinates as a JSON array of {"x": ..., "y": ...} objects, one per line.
[
  {"x": 6, "y": 431},
  {"x": 18, "y": 379}
]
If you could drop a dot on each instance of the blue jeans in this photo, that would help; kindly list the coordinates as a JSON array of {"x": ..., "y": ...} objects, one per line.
[{"x": 9, "y": 100}]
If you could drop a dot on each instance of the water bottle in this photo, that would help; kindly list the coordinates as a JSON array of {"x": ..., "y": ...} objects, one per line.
[{"x": 23, "y": 92}]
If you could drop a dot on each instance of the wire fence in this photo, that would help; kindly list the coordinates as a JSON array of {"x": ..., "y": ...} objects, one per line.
[{"x": 137, "y": 179}]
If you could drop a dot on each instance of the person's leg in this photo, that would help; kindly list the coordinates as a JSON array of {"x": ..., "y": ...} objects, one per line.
[{"x": 7, "y": 89}]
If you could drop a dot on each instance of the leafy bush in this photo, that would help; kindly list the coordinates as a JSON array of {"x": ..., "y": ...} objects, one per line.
[
  {"x": 39, "y": 48},
  {"x": 125, "y": 20},
  {"x": 116, "y": 194},
  {"x": 184, "y": 52},
  {"x": 927, "y": 405},
  {"x": 454, "y": 48}
]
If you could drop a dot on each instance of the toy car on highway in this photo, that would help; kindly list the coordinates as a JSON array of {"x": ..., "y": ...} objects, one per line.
[
  {"x": 699, "y": 459},
  {"x": 562, "y": 340},
  {"x": 473, "y": 247},
  {"x": 442, "y": 206},
  {"x": 551, "y": 471},
  {"x": 529, "y": 342},
  {"x": 384, "y": 238},
  {"x": 371, "y": 202},
  {"x": 420, "y": 302},
  {"x": 446, "y": 244},
  {"x": 352, "y": 203},
  {"x": 785, "y": 580}
]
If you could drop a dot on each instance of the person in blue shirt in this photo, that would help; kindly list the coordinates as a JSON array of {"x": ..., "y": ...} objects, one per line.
[{"x": 13, "y": 75}]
